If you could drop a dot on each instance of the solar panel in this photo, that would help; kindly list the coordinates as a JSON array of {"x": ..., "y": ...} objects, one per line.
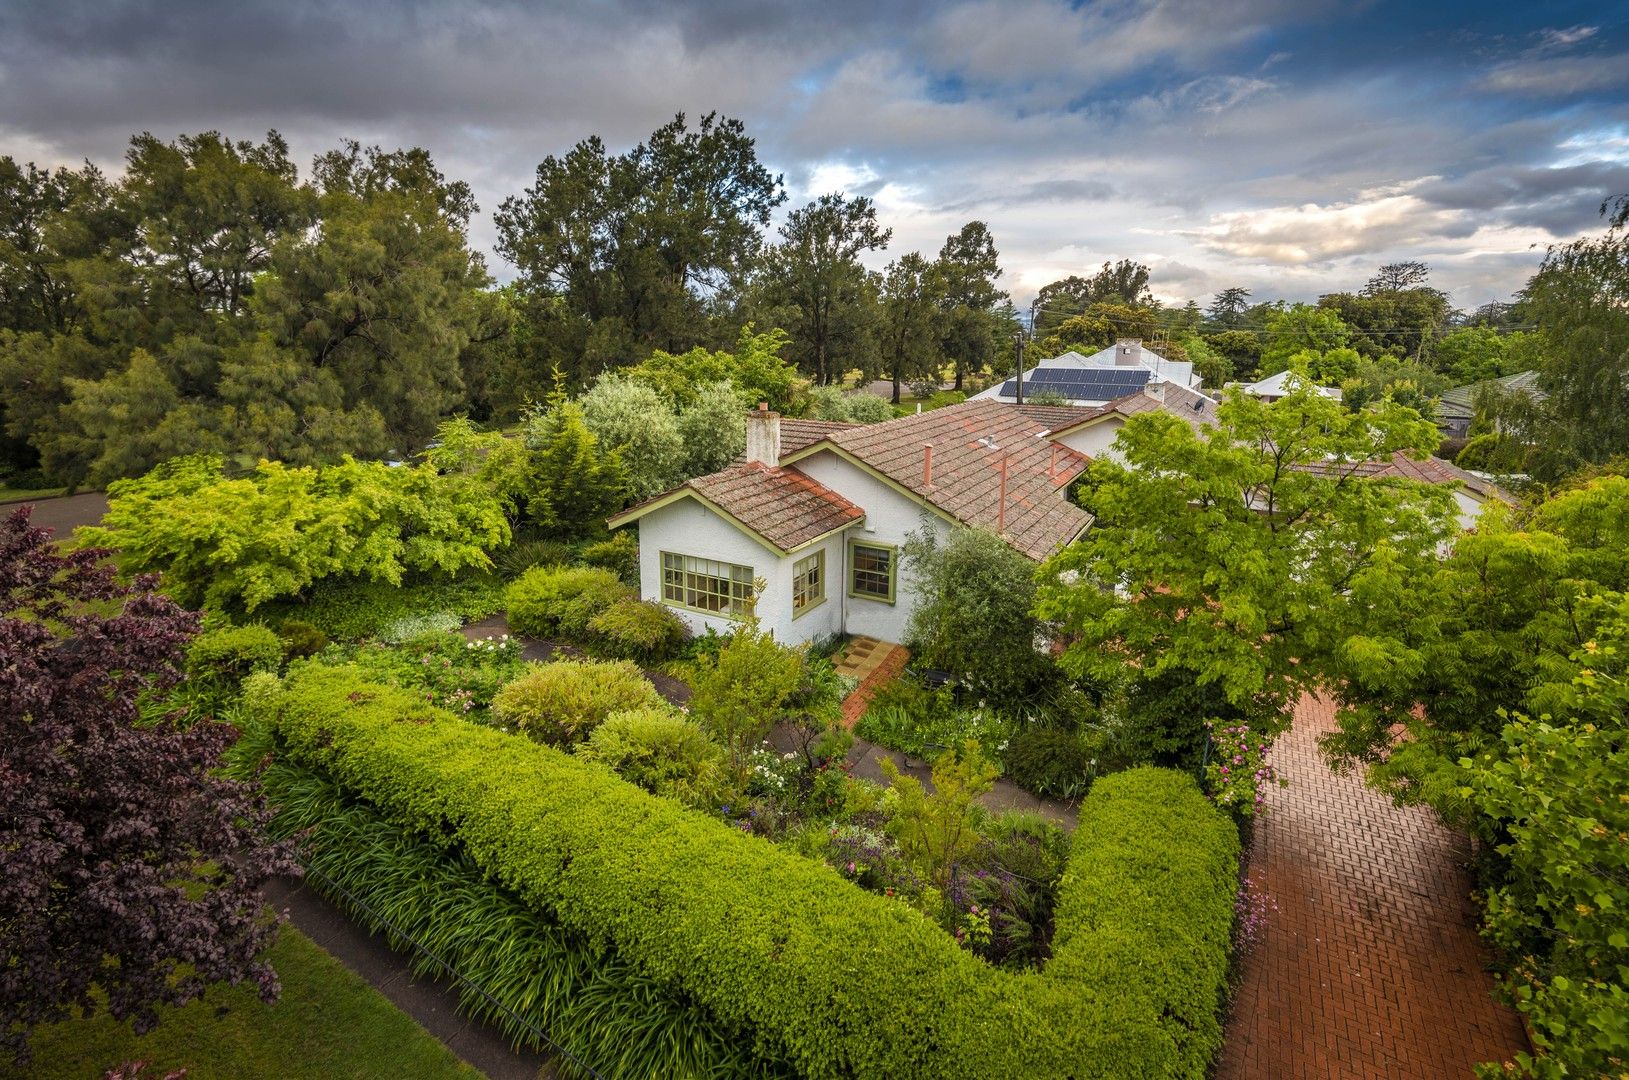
[{"x": 1082, "y": 384}]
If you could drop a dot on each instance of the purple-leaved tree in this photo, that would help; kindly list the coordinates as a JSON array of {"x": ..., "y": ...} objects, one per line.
[{"x": 126, "y": 862}]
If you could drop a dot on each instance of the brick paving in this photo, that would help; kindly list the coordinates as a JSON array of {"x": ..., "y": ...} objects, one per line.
[
  {"x": 873, "y": 662},
  {"x": 1371, "y": 967}
]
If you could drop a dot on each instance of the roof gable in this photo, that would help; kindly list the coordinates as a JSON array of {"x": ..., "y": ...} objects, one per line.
[{"x": 782, "y": 507}]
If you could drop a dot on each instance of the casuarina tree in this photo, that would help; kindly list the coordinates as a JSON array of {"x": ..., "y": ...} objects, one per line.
[{"x": 127, "y": 864}]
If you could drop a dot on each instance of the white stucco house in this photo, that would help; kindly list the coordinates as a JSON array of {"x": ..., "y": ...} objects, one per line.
[
  {"x": 1125, "y": 367},
  {"x": 819, "y": 512},
  {"x": 1276, "y": 386}
]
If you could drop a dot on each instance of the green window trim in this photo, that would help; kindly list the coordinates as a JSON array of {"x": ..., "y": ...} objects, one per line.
[
  {"x": 808, "y": 583},
  {"x": 706, "y": 586},
  {"x": 863, "y": 570}
]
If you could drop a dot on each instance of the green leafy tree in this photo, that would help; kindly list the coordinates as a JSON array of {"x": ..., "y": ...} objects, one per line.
[
  {"x": 937, "y": 832},
  {"x": 1228, "y": 306},
  {"x": 1406, "y": 382},
  {"x": 631, "y": 245},
  {"x": 741, "y": 692},
  {"x": 1244, "y": 554},
  {"x": 714, "y": 429},
  {"x": 1123, "y": 283},
  {"x": 973, "y": 613},
  {"x": 1553, "y": 787},
  {"x": 1580, "y": 300},
  {"x": 755, "y": 367},
  {"x": 1214, "y": 367},
  {"x": 1474, "y": 354},
  {"x": 910, "y": 321},
  {"x": 1098, "y": 327},
  {"x": 1397, "y": 322},
  {"x": 819, "y": 292},
  {"x": 1303, "y": 329},
  {"x": 240, "y": 541},
  {"x": 633, "y": 421},
  {"x": 967, "y": 269},
  {"x": 575, "y": 484}
]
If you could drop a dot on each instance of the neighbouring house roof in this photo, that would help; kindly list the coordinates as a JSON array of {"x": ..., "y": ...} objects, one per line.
[
  {"x": 782, "y": 506},
  {"x": 1460, "y": 402},
  {"x": 1278, "y": 386},
  {"x": 1179, "y": 401},
  {"x": 1102, "y": 376},
  {"x": 1431, "y": 470},
  {"x": 969, "y": 441}
]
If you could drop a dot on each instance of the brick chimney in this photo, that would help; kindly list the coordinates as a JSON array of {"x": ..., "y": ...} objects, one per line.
[
  {"x": 764, "y": 435},
  {"x": 1128, "y": 350}
]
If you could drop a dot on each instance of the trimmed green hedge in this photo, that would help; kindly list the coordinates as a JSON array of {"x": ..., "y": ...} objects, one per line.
[{"x": 821, "y": 974}]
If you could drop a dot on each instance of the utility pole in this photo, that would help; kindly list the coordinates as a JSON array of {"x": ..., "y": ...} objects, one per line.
[{"x": 1018, "y": 349}]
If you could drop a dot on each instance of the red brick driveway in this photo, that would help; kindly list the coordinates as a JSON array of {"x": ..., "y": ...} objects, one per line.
[{"x": 1371, "y": 967}]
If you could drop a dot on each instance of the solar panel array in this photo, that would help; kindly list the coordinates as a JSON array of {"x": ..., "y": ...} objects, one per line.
[{"x": 1082, "y": 384}]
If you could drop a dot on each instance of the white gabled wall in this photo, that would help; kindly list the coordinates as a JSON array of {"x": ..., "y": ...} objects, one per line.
[
  {"x": 889, "y": 518},
  {"x": 686, "y": 527},
  {"x": 1096, "y": 439}
]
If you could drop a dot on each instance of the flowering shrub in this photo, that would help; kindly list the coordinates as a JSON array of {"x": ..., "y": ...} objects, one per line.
[
  {"x": 442, "y": 668},
  {"x": 1238, "y": 774}
]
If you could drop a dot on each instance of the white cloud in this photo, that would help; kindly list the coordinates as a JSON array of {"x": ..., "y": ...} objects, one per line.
[{"x": 1313, "y": 233}]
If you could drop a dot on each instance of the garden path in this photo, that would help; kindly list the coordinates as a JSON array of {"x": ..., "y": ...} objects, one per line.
[
  {"x": 64, "y": 514},
  {"x": 1371, "y": 966},
  {"x": 433, "y": 1003},
  {"x": 864, "y": 760}
]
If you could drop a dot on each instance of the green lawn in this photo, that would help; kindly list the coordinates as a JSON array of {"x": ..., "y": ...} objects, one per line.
[
  {"x": 328, "y": 1024},
  {"x": 11, "y": 494}
]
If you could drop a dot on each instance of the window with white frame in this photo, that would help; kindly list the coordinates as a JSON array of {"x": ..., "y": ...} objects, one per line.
[
  {"x": 705, "y": 585},
  {"x": 808, "y": 583}
]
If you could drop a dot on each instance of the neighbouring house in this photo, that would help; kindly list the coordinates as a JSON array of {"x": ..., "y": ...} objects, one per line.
[
  {"x": 1471, "y": 492},
  {"x": 1277, "y": 386},
  {"x": 1123, "y": 368},
  {"x": 818, "y": 514},
  {"x": 1456, "y": 408}
]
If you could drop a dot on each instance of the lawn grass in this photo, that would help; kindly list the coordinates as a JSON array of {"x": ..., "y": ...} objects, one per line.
[
  {"x": 328, "y": 1024},
  {"x": 11, "y": 494}
]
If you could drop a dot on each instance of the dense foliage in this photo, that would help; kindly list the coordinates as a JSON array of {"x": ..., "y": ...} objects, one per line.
[
  {"x": 562, "y": 702},
  {"x": 1249, "y": 556},
  {"x": 561, "y": 601},
  {"x": 227, "y": 540},
  {"x": 131, "y": 869},
  {"x": 795, "y": 964}
]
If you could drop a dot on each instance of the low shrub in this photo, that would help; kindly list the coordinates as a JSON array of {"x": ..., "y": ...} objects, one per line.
[
  {"x": 561, "y": 601},
  {"x": 905, "y": 716},
  {"x": 634, "y": 629},
  {"x": 561, "y": 702},
  {"x": 620, "y": 555},
  {"x": 796, "y": 963},
  {"x": 351, "y": 609},
  {"x": 661, "y": 751},
  {"x": 442, "y": 669},
  {"x": 944, "y": 397},
  {"x": 219, "y": 660},
  {"x": 1050, "y": 762},
  {"x": 522, "y": 555},
  {"x": 301, "y": 639}
]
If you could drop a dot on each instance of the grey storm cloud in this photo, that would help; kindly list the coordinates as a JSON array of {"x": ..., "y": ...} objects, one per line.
[{"x": 1149, "y": 129}]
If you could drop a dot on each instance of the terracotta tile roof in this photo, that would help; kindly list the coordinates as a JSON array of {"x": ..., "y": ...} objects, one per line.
[
  {"x": 1179, "y": 401},
  {"x": 796, "y": 434},
  {"x": 782, "y": 505},
  {"x": 1431, "y": 470},
  {"x": 969, "y": 442}
]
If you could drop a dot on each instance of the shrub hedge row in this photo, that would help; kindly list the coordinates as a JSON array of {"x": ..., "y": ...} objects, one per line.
[
  {"x": 541, "y": 978},
  {"x": 812, "y": 970}
]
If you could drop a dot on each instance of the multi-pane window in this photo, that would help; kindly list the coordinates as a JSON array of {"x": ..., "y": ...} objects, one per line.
[
  {"x": 808, "y": 582},
  {"x": 704, "y": 584},
  {"x": 871, "y": 572}
]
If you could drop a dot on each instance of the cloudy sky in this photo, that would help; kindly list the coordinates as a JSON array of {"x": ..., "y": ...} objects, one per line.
[{"x": 1288, "y": 146}]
